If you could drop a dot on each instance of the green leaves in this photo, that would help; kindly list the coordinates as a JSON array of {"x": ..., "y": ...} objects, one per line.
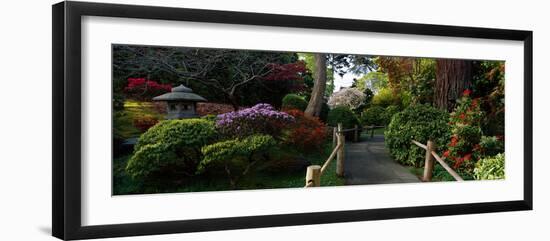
[
  {"x": 172, "y": 144},
  {"x": 342, "y": 115},
  {"x": 150, "y": 158},
  {"x": 490, "y": 168},
  {"x": 491, "y": 145},
  {"x": 190, "y": 132},
  {"x": 294, "y": 101},
  {"x": 420, "y": 123},
  {"x": 377, "y": 115},
  {"x": 230, "y": 150},
  {"x": 373, "y": 116}
]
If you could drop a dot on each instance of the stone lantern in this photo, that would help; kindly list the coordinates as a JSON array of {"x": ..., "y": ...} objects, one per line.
[{"x": 180, "y": 103}]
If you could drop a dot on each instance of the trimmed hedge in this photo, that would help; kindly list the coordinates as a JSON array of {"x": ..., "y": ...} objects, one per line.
[
  {"x": 236, "y": 156},
  {"x": 377, "y": 115},
  {"x": 229, "y": 152},
  {"x": 420, "y": 123},
  {"x": 170, "y": 145},
  {"x": 373, "y": 116},
  {"x": 342, "y": 115},
  {"x": 388, "y": 113},
  {"x": 294, "y": 101},
  {"x": 345, "y": 116}
]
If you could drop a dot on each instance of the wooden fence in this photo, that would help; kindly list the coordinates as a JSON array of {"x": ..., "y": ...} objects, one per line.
[
  {"x": 314, "y": 172},
  {"x": 356, "y": 131},
  {"x": 429, "y": 162}
]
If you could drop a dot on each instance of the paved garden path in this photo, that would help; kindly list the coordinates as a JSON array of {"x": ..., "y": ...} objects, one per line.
[{"x": 368, "y": 162}]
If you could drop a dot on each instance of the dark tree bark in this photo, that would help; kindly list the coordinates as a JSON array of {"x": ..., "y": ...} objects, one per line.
[
  {"x": 452, "y": 78},
  {"x": 316, "y": 100}
]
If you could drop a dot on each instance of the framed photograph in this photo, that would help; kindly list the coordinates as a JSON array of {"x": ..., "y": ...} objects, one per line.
[{"x": 170, "y": 120}]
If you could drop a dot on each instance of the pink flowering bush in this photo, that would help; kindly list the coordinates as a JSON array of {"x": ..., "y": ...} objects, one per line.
[
  {"x": 351, "y": 98},
  {"x": 259, "y": 119}
]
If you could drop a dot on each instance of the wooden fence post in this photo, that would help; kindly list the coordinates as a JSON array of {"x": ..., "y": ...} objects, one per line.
[
  {"x": 340, "y": 152},
  {"x": 313, "y": 175},
  {"x": 429, "y": 161},
  {"x": 356, "y": 134},
  {"x": 334, "y": 137}
]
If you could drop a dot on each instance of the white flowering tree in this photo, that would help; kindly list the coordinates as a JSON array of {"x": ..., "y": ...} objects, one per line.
[{"x": 348, "y": 97}]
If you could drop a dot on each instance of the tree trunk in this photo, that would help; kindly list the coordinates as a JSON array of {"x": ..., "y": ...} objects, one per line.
[
  {"x": 452, "y": 78},
  {"x": 316, "y": 100},
  {"x": 233, "y": 101}
]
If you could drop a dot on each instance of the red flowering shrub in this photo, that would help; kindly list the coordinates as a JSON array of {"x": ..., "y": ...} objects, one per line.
[
  {"x": 463, "y": 148},
  {"x": 143, "y": 123},
  {"x": 306, "y": 133},
  {"x": 144, "y": 89}
]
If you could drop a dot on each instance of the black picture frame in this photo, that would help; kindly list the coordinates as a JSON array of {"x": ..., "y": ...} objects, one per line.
[{"x": 66, "y": 197}]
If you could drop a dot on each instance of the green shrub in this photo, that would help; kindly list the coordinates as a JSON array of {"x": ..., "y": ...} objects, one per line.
[
  {"x": 420, "y": 123},
  {"x": 388, "y": 114},
  {"x": 440, "y": 174},
  {"x": 151, "y": 158},
  {"x": 373, "y": 116},
  {"x": 172, "y": 145},
  {"x": 377, "y": 115},
  {"x": 386, "y": 97},
  {"x": 118, "y": 101},
  {"x": 324, "y": 112},
  {"x": 209, "y": 117},
  {"x": 294, "y": 101},
  {"x": 490, "y": 168},
  {"x": 236, "y": 156},
  {"x": 188, "y": 132},
  {"x": 491, "y": 145},
  {"x": 342, "y": 115}
]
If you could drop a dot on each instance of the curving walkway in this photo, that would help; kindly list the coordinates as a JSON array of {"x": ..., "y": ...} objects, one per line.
[{"x": 368, "y": 162}]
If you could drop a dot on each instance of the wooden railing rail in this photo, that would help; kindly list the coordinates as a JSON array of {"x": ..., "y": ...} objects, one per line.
[
  {"x": 348, "y": 130},
  {"x": 329, "y": 159},
  {"x": 314, "y": 172},
  {"x": 429, "y": 161},
  {"x": 372, "y": 128},
  {"x": 356, "y": 130}
]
